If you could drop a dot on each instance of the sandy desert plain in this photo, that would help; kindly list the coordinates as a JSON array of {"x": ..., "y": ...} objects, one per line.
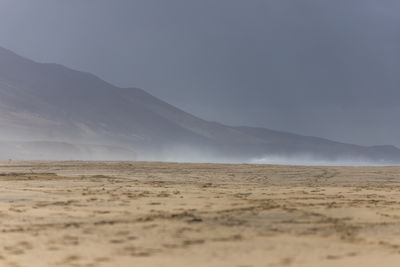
[{"x": 169, "y": 214}]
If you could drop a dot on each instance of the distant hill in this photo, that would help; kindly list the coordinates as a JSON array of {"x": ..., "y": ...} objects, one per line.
[{"x": 48, "y": 105}]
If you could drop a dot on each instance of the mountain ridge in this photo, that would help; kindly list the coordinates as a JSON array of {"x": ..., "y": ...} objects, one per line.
[{"x": 50, "y": 102}]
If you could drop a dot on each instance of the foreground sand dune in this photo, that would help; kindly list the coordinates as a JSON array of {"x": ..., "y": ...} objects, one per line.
[{"x": 166, "y": 214}]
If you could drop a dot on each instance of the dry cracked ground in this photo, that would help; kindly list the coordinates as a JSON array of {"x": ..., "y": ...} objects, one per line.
[{"x": 88, "y": 214}]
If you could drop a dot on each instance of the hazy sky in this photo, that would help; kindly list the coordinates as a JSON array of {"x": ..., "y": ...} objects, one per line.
[{"x": 328, "y": 68}]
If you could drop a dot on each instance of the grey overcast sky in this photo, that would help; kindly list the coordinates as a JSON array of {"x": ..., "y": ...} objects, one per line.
[{"x": 327, "y": 68}]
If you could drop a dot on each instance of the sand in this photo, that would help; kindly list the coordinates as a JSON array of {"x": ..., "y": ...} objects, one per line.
[{"x": 167, "y": 214}]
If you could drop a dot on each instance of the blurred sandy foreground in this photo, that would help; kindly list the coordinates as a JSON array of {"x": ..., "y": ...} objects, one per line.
[{"x": 165, "y": 214}]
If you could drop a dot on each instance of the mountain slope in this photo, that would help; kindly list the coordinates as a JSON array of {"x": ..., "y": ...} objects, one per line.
[{"x": 56, "y": 104}]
